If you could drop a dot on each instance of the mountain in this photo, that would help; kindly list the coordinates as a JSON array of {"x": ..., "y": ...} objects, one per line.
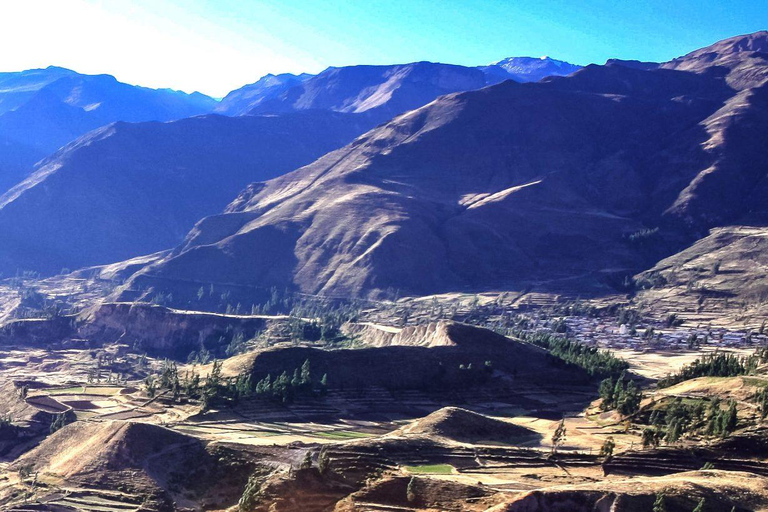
[
  {"x": 529, "y": 69},
  {"x": 135, "y": 188},
  {"x": 43, "y": 109},
  {"x": 569, "y": 183},
  {"x": 243, "y": 100}
]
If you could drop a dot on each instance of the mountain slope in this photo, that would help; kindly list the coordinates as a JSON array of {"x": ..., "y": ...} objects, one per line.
[
  {"x": 43, "y": 109},
  {"x": 561, "y": 184},
  {"x": 131, "y": 189}
]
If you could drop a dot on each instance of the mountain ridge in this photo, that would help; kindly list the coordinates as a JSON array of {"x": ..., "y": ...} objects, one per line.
[{"x": 460, "y": 193}]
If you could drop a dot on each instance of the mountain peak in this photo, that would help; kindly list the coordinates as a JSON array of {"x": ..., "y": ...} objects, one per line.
[
  {"x": 755, "y": 42},
  {"x": 529, "y": 69}
]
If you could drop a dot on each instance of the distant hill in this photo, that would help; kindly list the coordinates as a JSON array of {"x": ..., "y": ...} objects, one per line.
[
  {"x": 571, "y": 183},
  {"x": 44, "y": 109},
  {"x": 130, "y": 189},
  {"x": 243, "y": 100}
]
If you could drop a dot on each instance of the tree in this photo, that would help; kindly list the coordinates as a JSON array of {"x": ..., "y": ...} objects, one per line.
[
  {"x": 731, "y": 418},
  {"x": 651, "y": 437},
  {"x": 323, "y": 461},
  {"x": 307, "y": 462},
  {"x": 606, "y": 394},
  {"x": 607, "y": 449},
  {"x": 251, "y": 494},
  {"x": 151, "y": 386},
  {"x": 660, "y": 504},
  {"x": 25, "y": 471},
  {"x": 211, "y": 390},
  {"x": 630, "y": 400},
  {"x": 306, "y": 378},
  {"x": 60, "y": 420},
  {"x": 674, "y": 431},
  {"x": 559, "y": 436}
]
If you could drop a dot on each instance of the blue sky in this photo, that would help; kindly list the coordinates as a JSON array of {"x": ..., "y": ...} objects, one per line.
[{"x": 218, "y": 45}]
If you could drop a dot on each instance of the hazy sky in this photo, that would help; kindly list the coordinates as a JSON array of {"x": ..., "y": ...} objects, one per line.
[{"x": 218, "y": 45}]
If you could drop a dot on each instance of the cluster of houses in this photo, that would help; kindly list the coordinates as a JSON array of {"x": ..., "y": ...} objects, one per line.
[{"x": 605, "y": 333}]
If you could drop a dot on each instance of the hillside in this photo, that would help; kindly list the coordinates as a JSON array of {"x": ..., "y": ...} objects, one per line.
[
  {"x": 131, "y": 189},
  {"x": 571, "y": 184},
  {"x": 718, "y": 278},
  {"x": 44, "y": 109},
  {"x": 476, "y": 358},
  {"x": 682, "y": 492}
]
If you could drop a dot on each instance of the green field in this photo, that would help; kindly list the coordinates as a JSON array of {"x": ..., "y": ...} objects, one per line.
[{"x": 431, "y": 469}]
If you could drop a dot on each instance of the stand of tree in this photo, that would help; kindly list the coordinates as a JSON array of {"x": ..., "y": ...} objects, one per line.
[
  {"x": 596, "y": 362},
  {"x": 680, "y": 417},
  {"x": 719, "y": 364},
  {"x": 285, "y": 388}
]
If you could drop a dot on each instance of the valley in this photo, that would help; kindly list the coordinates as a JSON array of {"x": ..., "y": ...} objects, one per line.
[{"x": 371, "y": 434}]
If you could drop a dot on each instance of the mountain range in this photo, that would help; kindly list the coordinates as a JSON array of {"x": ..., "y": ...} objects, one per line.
[
  {"x": 568, "y": 183},
  {"x": 43, "y": 109},
  {"x": 127, "y": 189}
]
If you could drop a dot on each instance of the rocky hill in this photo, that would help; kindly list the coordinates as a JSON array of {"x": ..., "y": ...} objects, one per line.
[
  {"x": 529, "y": 69},
  {"x": 477, "y": 358}
]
